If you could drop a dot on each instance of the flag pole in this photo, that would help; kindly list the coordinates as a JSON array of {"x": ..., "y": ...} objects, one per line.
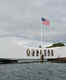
[
  {"x": 46, "y": 35},
  {"x": 46, "y": 23},
  {"x": 43, "y": 35}
]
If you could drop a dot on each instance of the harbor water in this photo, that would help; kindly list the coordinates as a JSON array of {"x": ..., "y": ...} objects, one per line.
[{"x": 33, "y": 71}]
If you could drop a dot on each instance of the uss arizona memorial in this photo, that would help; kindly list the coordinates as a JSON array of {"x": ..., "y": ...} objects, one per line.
[
  {"x": 52, "y": 54},
  {"x": 15, "y": 52}
]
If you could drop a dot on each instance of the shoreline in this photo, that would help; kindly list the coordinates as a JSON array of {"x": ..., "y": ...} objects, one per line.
[{"x": 26, "y": 61}]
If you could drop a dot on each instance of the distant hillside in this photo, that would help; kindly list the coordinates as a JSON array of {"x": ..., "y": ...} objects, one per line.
[
  {"x": 6, "y": 61},
  {"x": 56, "y": 45}
]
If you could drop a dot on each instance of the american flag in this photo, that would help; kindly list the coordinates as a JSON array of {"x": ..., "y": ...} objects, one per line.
[{"x": 45, "y": 21}]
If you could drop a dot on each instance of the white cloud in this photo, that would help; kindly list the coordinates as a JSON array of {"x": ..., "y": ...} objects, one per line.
[
  {"x": 21, "y": 18},
  {"x": 10, "y": 49}
]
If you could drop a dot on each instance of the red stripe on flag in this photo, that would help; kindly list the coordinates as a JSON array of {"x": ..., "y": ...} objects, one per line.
[{"x": 47, "y": 23}]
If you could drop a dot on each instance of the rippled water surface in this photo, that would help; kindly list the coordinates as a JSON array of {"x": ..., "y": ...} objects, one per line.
[{"x": 33, "y": 71}]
